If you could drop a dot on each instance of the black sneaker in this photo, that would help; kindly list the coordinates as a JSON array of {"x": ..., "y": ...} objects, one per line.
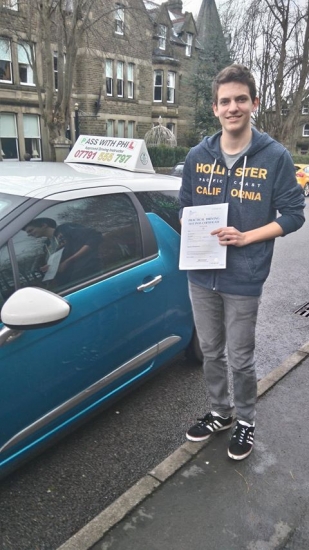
[
  {"x": 241, "y": 443},
  {"x": 208, "y": 425}
]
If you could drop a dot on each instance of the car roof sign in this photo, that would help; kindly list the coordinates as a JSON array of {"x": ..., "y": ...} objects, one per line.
[{"x": 127, "y": 154}]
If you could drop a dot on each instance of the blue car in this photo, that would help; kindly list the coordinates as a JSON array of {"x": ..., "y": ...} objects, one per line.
[{"x": 91, "y": 297}]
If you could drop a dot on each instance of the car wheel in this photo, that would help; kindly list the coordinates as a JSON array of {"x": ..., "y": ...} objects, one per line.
[
  {"x": 193, "y": 351},
  {"x": 306, "y": 190}
]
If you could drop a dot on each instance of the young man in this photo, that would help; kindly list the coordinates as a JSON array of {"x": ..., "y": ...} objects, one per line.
[
  {"x": 255, "y": 175},
  {"x": 80, "y": 248},
  {"x": 43, "y": 228}
]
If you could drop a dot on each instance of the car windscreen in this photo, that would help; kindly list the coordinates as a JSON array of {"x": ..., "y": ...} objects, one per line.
[{"x": 9, "y": 203}]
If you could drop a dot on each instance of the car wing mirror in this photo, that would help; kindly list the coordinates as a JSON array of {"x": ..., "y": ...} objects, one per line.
[{"x": 31, "y": 308}]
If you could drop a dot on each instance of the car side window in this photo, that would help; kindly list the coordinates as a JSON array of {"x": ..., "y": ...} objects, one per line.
[
  {"x": 7, "y": 286},
  {"x": 76, "y": 241},
  {"x": 164, "y": 203}
]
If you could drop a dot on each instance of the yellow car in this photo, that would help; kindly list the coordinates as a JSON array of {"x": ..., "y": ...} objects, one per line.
[{"x": 302, "y": 176}]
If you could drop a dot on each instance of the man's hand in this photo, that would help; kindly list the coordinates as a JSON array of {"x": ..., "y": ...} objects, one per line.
[
  {"x": 230, "y": 235},
  {"x": 63, "y": 266}
]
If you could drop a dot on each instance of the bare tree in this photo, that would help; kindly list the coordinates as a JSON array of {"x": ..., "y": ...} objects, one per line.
[{"x": 271, "y": 37}]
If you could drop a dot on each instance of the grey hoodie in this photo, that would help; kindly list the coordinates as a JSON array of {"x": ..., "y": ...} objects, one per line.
[{"x": 261, "y": 182}]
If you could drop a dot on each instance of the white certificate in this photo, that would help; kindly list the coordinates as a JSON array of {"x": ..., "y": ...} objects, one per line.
[
  {"x": 53, "y": 264},
  {"x": 198, "y": 248}
]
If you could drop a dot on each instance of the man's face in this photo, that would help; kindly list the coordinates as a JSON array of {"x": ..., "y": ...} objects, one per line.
[
  {"x": 33, "y": 231},
  {"x": 234, "y": 107}
]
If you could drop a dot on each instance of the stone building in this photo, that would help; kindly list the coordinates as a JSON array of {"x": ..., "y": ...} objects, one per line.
[{"x": 136, "y": 65}]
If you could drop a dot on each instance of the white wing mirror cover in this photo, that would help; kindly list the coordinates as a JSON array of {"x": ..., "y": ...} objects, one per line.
[{"x": 32, "y": 307}]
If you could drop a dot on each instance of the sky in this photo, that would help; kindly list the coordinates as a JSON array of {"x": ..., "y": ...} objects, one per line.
[{"x": 191, "y": 5}]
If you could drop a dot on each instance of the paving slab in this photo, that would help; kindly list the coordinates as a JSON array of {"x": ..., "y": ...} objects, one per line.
[{"x": 214, "y": 503}]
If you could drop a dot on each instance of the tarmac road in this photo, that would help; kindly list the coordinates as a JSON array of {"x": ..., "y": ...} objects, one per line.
[{"x": 47, "y": 501}]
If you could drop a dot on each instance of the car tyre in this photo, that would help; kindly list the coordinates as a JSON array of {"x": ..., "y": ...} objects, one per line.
[
  {"x": 306, "y": 190},
  {"x": 193, "y": 351}
]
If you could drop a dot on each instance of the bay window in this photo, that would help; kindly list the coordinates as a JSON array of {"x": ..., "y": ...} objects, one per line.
[
  {"x": 162, "y": 37},
  {"x": 130, "y": 74},
  {"x": 119, "y": 20},
  {"x": 109, "y": 76},
  {"x": 24, "y": 66},
  {"x": 32, "y": 136},
  {"x": 158, "y": 85},
  {"x": 5, "y": 61},
  {"x": 110, "y": 132},
  {"x": 8, "y": 136},
  {"x": 131, "y": 125},
  {"x": 171, "y": 80},
  {"x": 189, "y": 43},
  {"x": 120, "y": 78},
  {"x": 121, "y": 128}
]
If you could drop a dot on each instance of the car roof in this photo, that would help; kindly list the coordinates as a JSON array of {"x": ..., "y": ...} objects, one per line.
[{"x": 43, "y": 179}]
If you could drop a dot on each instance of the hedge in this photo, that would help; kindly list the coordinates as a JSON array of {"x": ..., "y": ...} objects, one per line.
[
  {"x": 300, "y": 159},
  {"x": 163, "y": 155}
]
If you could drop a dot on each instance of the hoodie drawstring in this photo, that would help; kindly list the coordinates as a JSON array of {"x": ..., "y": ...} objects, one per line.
[
  {"x": 243, "y": 177},
  {"x": 211, "y": 175}
]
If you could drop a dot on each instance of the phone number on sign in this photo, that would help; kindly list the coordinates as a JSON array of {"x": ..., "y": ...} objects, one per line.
[{"x": 102, "y": 157}]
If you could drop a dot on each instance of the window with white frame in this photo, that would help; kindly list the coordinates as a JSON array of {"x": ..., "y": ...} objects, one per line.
[
  {"x": 172, "y": 127},
  {"x": 11, "y": 4},
  {"x": 121, "y": 128},
  {"x": 119, "y": 19},
  {"x": 158, "y": 85},
  {"x": 120, "y": 65},
  {"x": 189, "y": 42},
  {"x": 109, "y": 76},
  {"x": 306, "y": 130},
  {"x": 130, "y": 73},
  {"x": 110, "y": 131},
  {"x": 162, "y": 33},
  {"x": 171, "y": 80},
  {"x": 32, "y": 136},
  {"x": 8, "y": 136},
  {"x": 131, "y": 126},
  {"x": 24, "y": 67},
  {"x": 305, "y": 110},
  {"x": 5, "y": 61},
  {"x": 56, "y": 69}
]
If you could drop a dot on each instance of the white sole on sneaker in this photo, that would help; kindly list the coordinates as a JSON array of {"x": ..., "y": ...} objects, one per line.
[
  {"x": 204, "y": 438},
  {"x": 241, "y": 457}
]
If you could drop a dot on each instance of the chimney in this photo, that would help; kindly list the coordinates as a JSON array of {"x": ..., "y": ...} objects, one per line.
[{"x": 175, "y": 5}]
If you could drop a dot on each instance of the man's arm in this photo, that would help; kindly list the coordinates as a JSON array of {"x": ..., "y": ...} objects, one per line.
[
  {"x": 230, "y": 235},
  {"x": 81, "y": 252}
]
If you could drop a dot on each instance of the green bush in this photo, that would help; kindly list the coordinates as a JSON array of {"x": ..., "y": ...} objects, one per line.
[
  {"x": 162, "y": 155},
  {"x": 300, "y": 159}
]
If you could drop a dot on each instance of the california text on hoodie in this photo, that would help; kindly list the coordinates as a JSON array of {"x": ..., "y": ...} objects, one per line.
[{"x": 260, "y": 185}]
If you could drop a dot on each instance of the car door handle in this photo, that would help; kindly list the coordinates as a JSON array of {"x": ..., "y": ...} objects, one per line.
[
  {"x": 8, "y": 335},
  {"x": 150, "y": 284}
]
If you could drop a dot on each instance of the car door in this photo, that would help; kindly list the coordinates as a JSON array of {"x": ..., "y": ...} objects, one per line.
[{"x": 53, "y": 376}]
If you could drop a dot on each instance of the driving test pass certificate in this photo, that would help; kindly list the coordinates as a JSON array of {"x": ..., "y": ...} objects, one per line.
[{"x": 198, "y": 248}]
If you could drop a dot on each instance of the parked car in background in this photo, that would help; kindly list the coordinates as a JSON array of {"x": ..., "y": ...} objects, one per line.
[
  {"x": 177, "y": 170},
  {"x": 302, "y": 176},
  {"x": 91, "y": 297}
]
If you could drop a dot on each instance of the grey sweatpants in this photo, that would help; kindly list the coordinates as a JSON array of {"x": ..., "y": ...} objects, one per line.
[{"x": 227, "y": 320}]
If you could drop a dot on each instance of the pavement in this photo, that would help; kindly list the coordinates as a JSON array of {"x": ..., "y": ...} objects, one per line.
[{"x": 199, "y": 499}]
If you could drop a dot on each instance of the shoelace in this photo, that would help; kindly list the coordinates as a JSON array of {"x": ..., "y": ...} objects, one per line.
[
  {"x": 241, "y": 433},
  {"x": 208, "y": 419}
]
